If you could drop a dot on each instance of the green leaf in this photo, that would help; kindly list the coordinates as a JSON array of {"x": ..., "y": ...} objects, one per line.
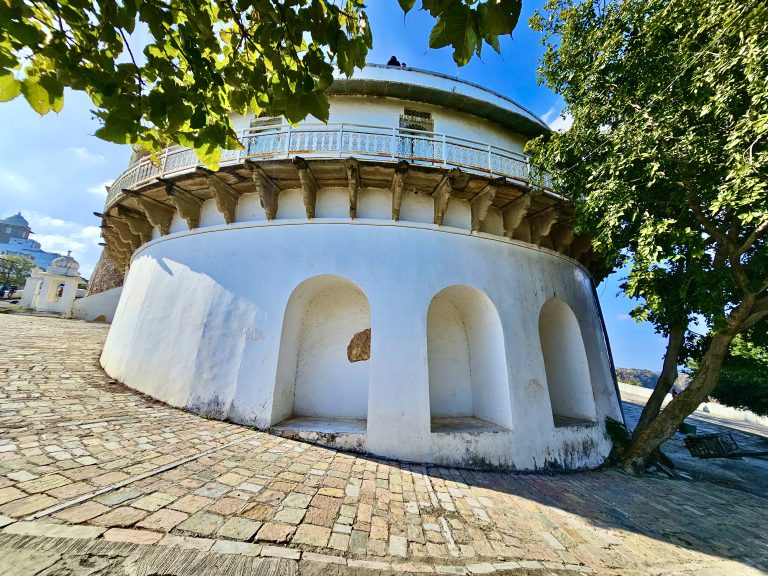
[
  {"x": 37, "y": 96},
  {"x": 209, "y": 155},
  {"x": 457, "y": 27},
  {"x": 9, "y": 87},
  {"x": 406, "y": 5}
]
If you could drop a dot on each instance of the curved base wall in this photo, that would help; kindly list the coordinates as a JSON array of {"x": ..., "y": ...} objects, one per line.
[{"x": 414, "y": 342}]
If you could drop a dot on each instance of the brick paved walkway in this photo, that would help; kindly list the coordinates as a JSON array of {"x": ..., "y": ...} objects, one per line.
[{"x": 83, "y": 457}]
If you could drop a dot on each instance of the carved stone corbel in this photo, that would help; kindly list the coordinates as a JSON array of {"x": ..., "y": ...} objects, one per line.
[
  {"x": 269, "y": 193},
  {"x": 224, "y": 195},
  {"x": 514, "y": 213},
  {"x": 398, "y": 179},
  {"x": 562, "y": 236},
  {"x": 121, "y": 250},
  {"x": 580, "y": 245},
  {"x": 353, "y": 181},
  {"x": 541, "y": 223},
  {"x": 482, "y": 202},
  {"x": 160, "y": 215},
  {"x": 309, "y": 185},
  {"x": 523, "y": 232},
  {"x": 186, "y": 203},
  {"x": 136, "y": 222},
  {"x": 442, "y": 194}
]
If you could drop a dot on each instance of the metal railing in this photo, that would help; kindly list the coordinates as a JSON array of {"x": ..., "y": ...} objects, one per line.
[{"x": 340, "y": 141}]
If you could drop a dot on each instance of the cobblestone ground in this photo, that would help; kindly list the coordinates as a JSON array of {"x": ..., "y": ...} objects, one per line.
[{"x": 87, "y": 460}]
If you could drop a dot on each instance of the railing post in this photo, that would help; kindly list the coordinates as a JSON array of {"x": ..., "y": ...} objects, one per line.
[
  {"x": 288, "y": 142},
  {"x": 244, "y": 152},
  {"x": 341, "y": 140},
  {"x": 445, "y": 154},
  {"x": 528, "y": 168},
  {"x": 394, "y": 142},
  {"x": 490, "y": 164}
]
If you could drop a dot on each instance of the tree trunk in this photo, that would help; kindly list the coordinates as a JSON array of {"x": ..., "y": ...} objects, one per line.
[
  {"x": 666, "y": 379},
  {"x": 660, "y": 429}
]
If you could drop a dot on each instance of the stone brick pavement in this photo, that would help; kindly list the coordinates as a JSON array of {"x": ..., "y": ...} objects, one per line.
[{"x": 83, "y": 457}]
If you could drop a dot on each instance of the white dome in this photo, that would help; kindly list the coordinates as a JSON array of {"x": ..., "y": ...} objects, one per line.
[{"x": 65, "y": 266}]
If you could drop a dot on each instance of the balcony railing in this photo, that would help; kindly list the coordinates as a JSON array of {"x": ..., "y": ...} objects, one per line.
[{"x": 340, "y": 141}]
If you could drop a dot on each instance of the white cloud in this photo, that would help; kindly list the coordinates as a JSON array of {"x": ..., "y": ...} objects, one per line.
[
  {"x": 14, "y": 182},
  {"x": 100, "y": 189},
  {"x": 56, "y": 235},
  {"x": 623, "y": 317},
  {"x": 548, "y": 115},
  {"x": 84, "y": 155},
  {"x": 562, "y": 123}
]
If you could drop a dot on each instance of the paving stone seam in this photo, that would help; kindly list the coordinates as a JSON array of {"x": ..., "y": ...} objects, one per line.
[
  {"x": 452, "y": 548},
  {"x": 284, "y": 552},
  {"x": 159, "y": 470}
]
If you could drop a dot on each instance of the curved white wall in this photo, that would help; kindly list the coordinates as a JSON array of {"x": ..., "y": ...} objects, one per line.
[{"x": 203, "y": 314}]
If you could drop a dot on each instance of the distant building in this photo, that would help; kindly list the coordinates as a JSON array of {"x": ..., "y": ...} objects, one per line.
[{"x": 15, "y": 241}]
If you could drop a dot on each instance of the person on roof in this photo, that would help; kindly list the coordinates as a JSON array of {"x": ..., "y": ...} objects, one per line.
[{"x": 393, "y": 62}]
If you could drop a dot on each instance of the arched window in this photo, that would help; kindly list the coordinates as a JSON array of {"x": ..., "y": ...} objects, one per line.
[
  {"x": 565, "y": 362},
  {"x": 468, "y": 381},
  {"x": 324, "y": 351}
]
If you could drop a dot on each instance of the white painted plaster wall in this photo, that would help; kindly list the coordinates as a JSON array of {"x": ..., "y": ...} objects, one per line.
[
  {"x": 98, "y": 305},
  {"x": 378, "y": 111},
  {"x": 209, "y": 337},
  {"x": 387, "y": 111}
]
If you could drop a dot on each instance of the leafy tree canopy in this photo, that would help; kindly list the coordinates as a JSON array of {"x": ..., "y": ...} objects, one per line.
[
  {"x": 14, "y": 269},
  {"x": 207, "y": 58},
  {"x": 667, "y": 162}
]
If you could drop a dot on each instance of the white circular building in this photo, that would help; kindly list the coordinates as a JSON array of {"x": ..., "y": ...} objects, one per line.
[{"x": 395, "y": 281}]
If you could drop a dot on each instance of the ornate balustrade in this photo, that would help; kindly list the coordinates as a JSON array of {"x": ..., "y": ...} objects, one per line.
[{"x": 342, "y": 140}]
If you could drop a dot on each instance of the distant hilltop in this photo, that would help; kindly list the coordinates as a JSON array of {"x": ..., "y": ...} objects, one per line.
[{"x": 647, "y": 378}]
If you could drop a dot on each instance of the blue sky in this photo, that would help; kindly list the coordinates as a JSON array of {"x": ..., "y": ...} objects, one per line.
[{"x": 54, "y": 170}]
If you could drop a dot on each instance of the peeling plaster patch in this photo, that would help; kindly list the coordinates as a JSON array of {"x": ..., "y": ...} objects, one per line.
[{"x": 359, "y": 348}]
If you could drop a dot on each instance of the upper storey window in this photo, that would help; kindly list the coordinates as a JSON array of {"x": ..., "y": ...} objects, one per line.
[
  {"x": 417, "y": 120},
  {"x": 265, "y": 136},
  {"x": 414, "y": 144}
]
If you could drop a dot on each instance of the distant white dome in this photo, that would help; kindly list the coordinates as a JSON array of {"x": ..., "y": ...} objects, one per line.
[{"x": 65, "y": 266}]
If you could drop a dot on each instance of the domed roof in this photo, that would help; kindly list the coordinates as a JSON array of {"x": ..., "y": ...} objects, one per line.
[
  {"x": 64, "y": 266},
  {"x": 16, "y": 220}
]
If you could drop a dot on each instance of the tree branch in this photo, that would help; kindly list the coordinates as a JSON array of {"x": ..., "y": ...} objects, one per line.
[
  {"x": 709, "y": 226},
  {"x": 752, "y": 238}
]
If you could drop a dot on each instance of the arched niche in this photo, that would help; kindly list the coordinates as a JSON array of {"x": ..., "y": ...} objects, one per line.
[
  {"x": 316, "y": 379},
  {"x": 468, "y": 381},
  {"x": 565, "y": 362}
]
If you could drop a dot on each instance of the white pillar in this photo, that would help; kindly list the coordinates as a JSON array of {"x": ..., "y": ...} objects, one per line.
[
  {"x": 30, "y": 287},
  {"x": 398, "y": 397},
  {"x": 64, "y": 304}
]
